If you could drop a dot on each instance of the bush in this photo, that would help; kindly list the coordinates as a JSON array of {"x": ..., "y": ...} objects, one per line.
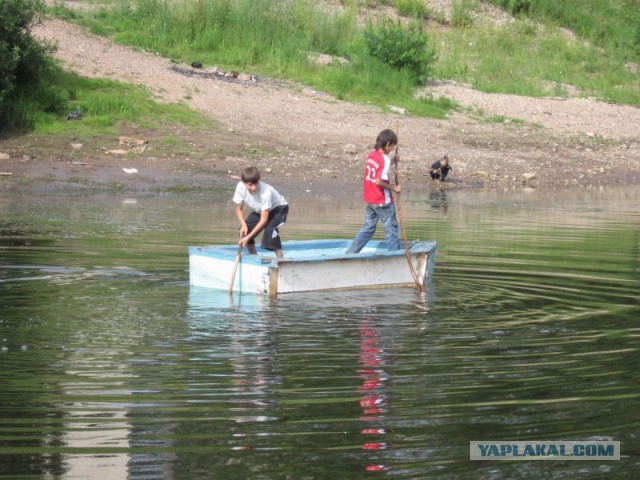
[
  {"x": 401, "y": 48},
  {"x": 23, "y": 61}
]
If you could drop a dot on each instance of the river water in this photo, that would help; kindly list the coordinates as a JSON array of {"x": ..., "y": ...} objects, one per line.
[{"x": 111, "y": 367}]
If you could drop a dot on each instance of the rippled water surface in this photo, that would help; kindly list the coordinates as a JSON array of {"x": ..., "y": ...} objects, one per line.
[{"x": 111, "y": 367}]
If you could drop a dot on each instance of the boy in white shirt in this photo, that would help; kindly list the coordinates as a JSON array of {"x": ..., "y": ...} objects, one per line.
[{"x": 269, "y": 212}]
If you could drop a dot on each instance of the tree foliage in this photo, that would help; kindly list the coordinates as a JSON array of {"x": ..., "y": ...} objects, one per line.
[{"x": 23, "y": 60}]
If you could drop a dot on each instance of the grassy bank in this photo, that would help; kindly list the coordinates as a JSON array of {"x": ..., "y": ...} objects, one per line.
[
  {"x": 531, "y": 53},
  {"x": 274, "y": 38},
  {"x": 105, "y": 106},
  {"x": 535, "y": 61},
  {"x": 613, "y": 25},
  {"x": 109, "y": 107}
]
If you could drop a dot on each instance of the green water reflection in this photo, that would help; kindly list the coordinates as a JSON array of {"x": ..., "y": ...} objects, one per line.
[{"x": 112, "y": 367}]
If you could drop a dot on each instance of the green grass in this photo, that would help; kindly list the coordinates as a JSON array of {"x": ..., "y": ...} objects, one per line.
[
  {"x": 411, "y": 8},
  {"x": 274, "y": 38},
  {"x": 610, "y": 24},
  {"x": 263, "y": 37},
  {"x": 523, "y": 60},
  {"x": 107, "y": 106}
]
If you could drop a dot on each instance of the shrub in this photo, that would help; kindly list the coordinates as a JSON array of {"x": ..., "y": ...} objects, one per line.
[
  {"x": 401, "y": 48},
  {"x": 23, "y": 61}
]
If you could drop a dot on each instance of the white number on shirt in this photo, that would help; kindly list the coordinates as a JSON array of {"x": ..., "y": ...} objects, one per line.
[{"x": 370, "y": 174}]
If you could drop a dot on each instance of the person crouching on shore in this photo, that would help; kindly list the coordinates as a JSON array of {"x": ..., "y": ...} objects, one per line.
[{"x": 440, "y": 169}]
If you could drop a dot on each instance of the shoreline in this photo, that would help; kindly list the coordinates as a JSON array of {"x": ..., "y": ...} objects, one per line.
[{"x": 32, "y": 176}]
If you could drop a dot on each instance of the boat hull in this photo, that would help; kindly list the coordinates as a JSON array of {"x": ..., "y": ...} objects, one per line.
[{"x": 310, "y": 265}]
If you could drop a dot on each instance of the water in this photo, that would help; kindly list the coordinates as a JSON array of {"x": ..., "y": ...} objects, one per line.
[{"x": 111, "y": 367}]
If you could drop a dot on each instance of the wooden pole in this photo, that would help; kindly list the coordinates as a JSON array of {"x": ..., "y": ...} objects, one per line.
[
  {"x": 235, "y": 269},
  {"x": 419, "y": 284}
]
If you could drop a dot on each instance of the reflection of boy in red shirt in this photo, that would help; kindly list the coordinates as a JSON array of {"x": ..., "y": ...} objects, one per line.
[{"x": 377, "y": 194}]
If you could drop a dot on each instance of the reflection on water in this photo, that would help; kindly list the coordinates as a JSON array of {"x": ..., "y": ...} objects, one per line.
[
  {"x": 439, "y": 201},
  {"x": 373, "y": 400},
  {"x": 111, "y": 367}
]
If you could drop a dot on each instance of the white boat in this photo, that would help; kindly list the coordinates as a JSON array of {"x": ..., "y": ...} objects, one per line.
[{"x": 310, "y": 265}]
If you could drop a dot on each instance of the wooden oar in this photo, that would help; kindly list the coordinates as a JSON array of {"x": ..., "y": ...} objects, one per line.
[
  {"x": 235, "y": 269},
  {"x": 419, "y": 284}
]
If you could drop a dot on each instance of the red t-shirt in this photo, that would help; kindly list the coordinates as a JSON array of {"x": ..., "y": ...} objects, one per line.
[{"x": 376, "y": 168}]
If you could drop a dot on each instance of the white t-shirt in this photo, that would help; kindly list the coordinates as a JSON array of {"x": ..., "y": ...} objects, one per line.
[{"x": 265, "y": 198}]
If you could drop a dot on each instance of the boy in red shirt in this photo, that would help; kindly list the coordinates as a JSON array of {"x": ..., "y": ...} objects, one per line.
[{"x": 377, "y": 194}]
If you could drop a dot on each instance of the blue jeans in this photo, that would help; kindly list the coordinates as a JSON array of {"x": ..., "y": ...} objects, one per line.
[{"x": 387, "y": 215}]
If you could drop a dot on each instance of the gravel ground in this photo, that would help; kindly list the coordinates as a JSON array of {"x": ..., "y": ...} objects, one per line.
[{"x": 312, "y": 137}]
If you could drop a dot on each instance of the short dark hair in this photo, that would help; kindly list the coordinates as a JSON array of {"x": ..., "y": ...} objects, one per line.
[
  {"x": 250, "y": 175},
  {"x": 384, "y": 137}
]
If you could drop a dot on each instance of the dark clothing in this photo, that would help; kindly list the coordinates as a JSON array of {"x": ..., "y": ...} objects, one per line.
[
  {"x": 438, "y": 172},
  {"x": 271, "y": 235}
]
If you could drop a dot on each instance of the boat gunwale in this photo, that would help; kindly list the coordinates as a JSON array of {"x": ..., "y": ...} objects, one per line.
[{"x": 267, "y": 258}]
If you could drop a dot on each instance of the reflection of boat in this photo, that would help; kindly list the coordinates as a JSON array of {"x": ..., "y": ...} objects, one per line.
[
  {"x": 310, "y": 265},
  {"x": 204, "y": 302}
]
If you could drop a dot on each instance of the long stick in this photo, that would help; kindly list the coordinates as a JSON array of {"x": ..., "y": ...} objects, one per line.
[
  {"x": 235, "y": 269},
  {"x": 420, "y": 286}
]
